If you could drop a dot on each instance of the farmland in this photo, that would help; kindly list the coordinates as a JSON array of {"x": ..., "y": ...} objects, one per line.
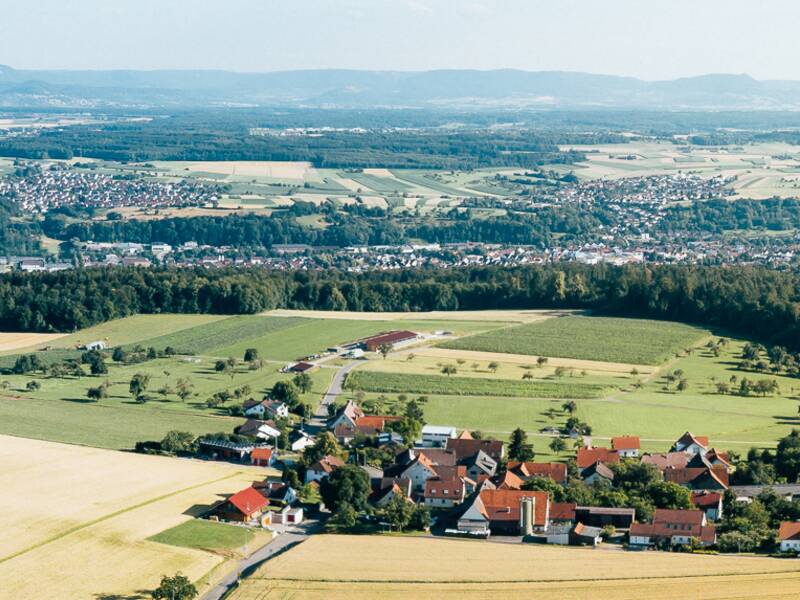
[
  {"x": 401, "y": 567},
  {"x": 376, "y": 381},
  {"x": 594, "y": 338},
  {"x": 105, "y": 512}
]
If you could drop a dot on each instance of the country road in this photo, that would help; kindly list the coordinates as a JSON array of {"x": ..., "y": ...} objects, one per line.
[
  {"x": 317, "y": 422},
  {"x": 247, "y": 566}
]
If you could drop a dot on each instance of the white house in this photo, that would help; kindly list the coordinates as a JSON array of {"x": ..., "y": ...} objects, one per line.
[
  {"x": 789, "y": 536},
  {"x": 98, "y": 345},
  {"x": 270, "y": 408},
  {"x": 627, "y": 446},
  {"x": 299, "y": 440},
  {"x": 322, "y": 468},
  {"x": 436, "y": 436},
  {"x": 691, "y": 444},
  {"x": 418, "y": 472}
]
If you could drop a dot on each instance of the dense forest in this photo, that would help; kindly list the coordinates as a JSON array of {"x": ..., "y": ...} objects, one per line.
[
  {"x": 755, "y": 302},
  {"x": 173, "y": 139}
]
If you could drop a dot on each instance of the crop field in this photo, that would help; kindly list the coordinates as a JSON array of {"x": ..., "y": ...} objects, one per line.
[
  {"x": 133, "y": 329},
  {"x": 15, "y": 341},
  {"x": 219, "y": 334},
  {"x": 100, "y": 510},
  {"x": 762, "y": 170},
  {"x": 498, "y": 316},
  {"x": 395, "y": 567},
  {"x": 375, "y": 381},
  {"x": 635, "y": 341}
]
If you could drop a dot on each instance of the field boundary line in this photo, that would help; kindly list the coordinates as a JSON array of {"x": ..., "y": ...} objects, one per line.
[
  {"x": 506, "y": 581},
  {"x": 122, "y": 511}
]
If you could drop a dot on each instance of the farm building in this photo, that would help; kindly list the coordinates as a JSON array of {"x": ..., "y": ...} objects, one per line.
[
  {"x": 301, "y": 367},
  {"x": 262, "y": 457},
  {"x": 246, "y": 505},
  {"x": 390, "y": 338},
  {"x": 98, "y": 345},
  {"x": 675, "y": 527},
  {"x": 628, "y": 446},
  {"x": 505, "y": 512},
  {"x": 436, "y": 436},
  {"x": 225, "y": 450}
]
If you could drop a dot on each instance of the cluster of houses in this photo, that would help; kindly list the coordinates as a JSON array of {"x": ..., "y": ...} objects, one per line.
[
  {"x": 38, "y": 190},
  {"x": 474, "y": 491}
]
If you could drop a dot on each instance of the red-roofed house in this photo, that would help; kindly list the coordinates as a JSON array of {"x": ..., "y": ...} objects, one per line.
[
  {"x": 500, "y": 512},
  {"x": 789, "y": 536},
  {"x": 677, "y": 460},
  {"x": 628, "y": 446},
  {"x": 710, "y": 503},
  {"x": 588, "y": 456},
  {"x": 262, "y": 457},
  {"x": 675, "y": 526},
  {"x": 246, "y": 505},
  {"x": 322, "y": 468},
  {"x": 699, "y": 478},
  {"x": 525, "y": 470},
  {"x": 446, "y": 493}
]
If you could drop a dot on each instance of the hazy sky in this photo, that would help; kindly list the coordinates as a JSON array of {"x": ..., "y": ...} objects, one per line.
[{"x": 651, "y": 39}]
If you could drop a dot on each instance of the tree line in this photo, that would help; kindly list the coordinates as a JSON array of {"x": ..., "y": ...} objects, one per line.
[{"x": 750, "y": 301}]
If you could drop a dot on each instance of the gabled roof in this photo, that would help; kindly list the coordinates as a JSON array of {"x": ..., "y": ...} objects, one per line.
[
  {"x": 663, "y": 460},
  {"x": 789, "y": 530},
  {"x": 482, "y": 461},
  {"x": 465, "y": 435},
  {"x": 261, "y": 453},
  {"x": 253, "y": 426},
  {"x": 625, "y": 442},
  {"x": 510, "y": 481},
  {"x": 706, "y": 499},
  {"x": 714, "y": 456},
  {"x": 439, "y": 456},
  {"x": 327, "y": 464},
  {"x": 248, "y": 501},
  {"x": 504, "y": 505},
  {"x": 588, "y": 456},
  {"x": 699, "y": 477},
  {"x": 464, "y": 448},
  {"x": 445, "y": 488},
  {"x": 687, "y": 439},
  {"x": 678, "y": 516},
  {"x": 600, "y": 469},
  {"x": 555, "y": 471}
]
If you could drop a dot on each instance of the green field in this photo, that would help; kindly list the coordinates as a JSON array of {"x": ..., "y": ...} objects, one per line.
[
  {"x": 205, "y": 535},
  {"x": 376, "y": 381},
  {"x": 220, "y": 334},
  {"x": 635, "y": 341}
]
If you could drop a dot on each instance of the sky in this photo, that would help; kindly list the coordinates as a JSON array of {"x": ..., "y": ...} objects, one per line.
[{"x": 649, "y": 39}]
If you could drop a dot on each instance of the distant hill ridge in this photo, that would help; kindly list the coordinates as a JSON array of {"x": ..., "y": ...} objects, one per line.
[{"x": 353, "y": 88}]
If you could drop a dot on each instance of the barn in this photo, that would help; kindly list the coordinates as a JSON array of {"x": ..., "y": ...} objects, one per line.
[{"x": 391, "y": 338}]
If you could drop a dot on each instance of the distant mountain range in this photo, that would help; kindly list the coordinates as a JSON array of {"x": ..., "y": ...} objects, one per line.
[{"x": 360, "y": 89}]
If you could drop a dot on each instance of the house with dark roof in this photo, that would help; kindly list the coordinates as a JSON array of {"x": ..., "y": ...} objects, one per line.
[
  {"x": 467, "y": 447},
  {"x": 447, "y": 493},
  {"x": 789, "y": 536},
  {"x": 673, "y": 527},
  {"x": 259, "y": 429},
  {"x": 699, "y": 478},
  {"x": 243, "y": 506},
  {"x": 597, "y": 472},
  {"x": 386, "y": 489},
  {"x": 690, "y": 444}
]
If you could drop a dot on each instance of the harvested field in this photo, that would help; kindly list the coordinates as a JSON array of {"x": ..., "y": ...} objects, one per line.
[
  {"x": 101, "y": 508},
  {"x": 15, "y": 341},
  {"x": 427, "y": 568},
  {"x": 510, "y": 316},
  {"x": 272, "y": 169}
]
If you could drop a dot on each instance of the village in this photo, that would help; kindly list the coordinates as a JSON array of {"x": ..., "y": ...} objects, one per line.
[{"x": 346, "y": 470}]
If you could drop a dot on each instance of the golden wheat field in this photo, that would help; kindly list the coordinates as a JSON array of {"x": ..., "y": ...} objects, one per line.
[
  {"x": 394, "y": 567},
  {"x": 77, "y": 519},
  {"x": 15, "y": 341}
]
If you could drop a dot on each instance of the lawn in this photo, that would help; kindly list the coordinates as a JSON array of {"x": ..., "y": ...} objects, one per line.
[
  {"x": 376, "y": 381},
  {"x": 205, "y": 535},
  {"x": 635, "y": 341}
]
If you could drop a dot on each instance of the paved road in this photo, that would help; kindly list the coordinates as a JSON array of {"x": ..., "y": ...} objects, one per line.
[
  {"x": 317, "y": 422},
  {"x": 283, "y": 542}
]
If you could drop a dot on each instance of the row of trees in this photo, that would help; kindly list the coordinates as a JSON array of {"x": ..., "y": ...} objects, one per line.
[{"x": 751, "y": 301}]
